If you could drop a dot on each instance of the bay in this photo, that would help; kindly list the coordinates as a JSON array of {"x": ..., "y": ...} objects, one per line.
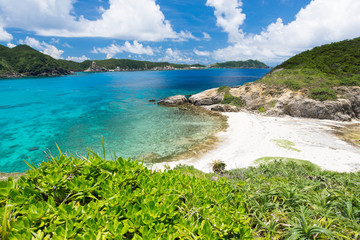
[{"x": 76, "y": 111}]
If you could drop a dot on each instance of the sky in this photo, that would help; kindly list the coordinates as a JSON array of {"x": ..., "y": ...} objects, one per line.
[{"x": 178, "y": 31}]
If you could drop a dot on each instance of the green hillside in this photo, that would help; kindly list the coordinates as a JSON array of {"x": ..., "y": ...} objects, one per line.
[
  {"x": 240, "y": 64},
  {"x": 134, "y": 64},
  {"x": 329, "y": 65},
  {"x": 25, "y": 60}
]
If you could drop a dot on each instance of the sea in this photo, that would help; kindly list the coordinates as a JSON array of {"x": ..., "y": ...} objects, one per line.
[{"x": 81, "y": 111}]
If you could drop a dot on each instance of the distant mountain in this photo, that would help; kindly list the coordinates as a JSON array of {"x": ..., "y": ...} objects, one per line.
[
  {"x": 23, "y": 60},
  {"x": 240, "y": 64},
  {"x": 128, "y": 64},
  {"x": 329, "y": 65}
]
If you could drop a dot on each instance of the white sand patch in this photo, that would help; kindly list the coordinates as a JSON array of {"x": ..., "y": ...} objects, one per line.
[{"x": 251, "y": 136}]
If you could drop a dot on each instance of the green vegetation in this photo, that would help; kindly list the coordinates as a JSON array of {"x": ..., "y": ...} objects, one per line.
[
  {"x": 261, "y": 110},
  {"x": 225, "y": 89},
  {"x": 297, "y": 200},
  {"x": 218, "y": 166},
  {"x": 289, "y": 145},
  {"x": 240, "y": 64},
  {"x": 91, "y": 198},
  {"x": 322, "y": 94},
  {"x": 24, "y": 60},
  {"x": 230, "y": 99},
  {"x": 326, "y": 66},
  {"x": 128, "y": 64}
]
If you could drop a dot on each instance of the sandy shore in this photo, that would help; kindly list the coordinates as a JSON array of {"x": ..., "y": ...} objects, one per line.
[{"x": 252, "y": 136}]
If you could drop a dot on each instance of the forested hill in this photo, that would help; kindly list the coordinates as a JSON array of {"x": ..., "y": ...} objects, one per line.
[
  {"x": 23, "y": 60},
  {"x": 240, "y": 64},
  {"x": 328, "y": 65},
  {"x": 128, "y": 64}
]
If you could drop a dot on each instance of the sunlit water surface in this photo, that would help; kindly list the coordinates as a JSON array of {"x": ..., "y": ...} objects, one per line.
[{"x": 76, "y": 111}]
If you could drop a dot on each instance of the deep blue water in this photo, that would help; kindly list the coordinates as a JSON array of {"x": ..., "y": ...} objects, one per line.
[{"x": 76, "y": 111}]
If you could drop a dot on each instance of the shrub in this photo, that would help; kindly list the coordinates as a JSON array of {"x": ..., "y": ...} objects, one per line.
[
  {"x": 236, "y": 101},
  {"x": 322, "y": 94},
  {"x": 218, "y": 166},
  {"x": 224, "y": 89},
  {"x": 292, "y": 84},
  {"x": 91, "y": 198}
]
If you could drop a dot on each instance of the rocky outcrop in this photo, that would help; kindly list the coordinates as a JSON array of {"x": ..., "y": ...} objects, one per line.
[
  {"x": 95, "y": 68},
  {"x": 173, "y": 101},
  {"x": 283, "y": 101},
  {"x": 208, "y": 97},
  {"x": 224, "y": 108},
  {"x": 275, "y": 101}
]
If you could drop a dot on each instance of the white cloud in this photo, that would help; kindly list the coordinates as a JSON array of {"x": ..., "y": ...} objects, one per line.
[
  {"x": 184, "y": 36},
  {"x": 10, "y": 45},
  {"x": 320, "y": 22},
  {"x": 206, "y": 36},
  {"x": 77, "y": 59},
  {"x": 43, "y": 47},
  {"x": 4, "y": 35},
  {"x": 140, "y": 20},
  {"x": 176, "y": 56},
  {"x": 229, "y": 16},
  {"x": 202, "y": 53},
  {"x": 113, "y": 49}
]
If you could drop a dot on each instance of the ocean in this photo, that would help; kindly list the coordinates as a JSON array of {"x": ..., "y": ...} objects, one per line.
[{"x": 77, "y": 111}]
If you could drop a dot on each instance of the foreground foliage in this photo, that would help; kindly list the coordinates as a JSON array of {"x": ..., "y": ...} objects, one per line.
[
  {"x": 297, "y": 200},
  {"x": 91, "y": 198}
]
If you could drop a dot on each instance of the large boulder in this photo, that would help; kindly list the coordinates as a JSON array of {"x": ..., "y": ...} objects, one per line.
[
  {"x": 224, "y": 108},
  {"x": 208, "y": 97},
  {"x": 309, "y": 108},
  {"x": 173, "y": 101}
]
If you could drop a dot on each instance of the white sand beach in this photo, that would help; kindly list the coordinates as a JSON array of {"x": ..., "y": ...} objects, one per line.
[{"x": 252, "y": 136}]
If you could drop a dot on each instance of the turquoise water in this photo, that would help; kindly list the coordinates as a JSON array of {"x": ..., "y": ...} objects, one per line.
[{"x": 76, "y": 111}]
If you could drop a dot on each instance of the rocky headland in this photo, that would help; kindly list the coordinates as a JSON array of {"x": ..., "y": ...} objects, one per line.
[{"x": 274, "y": 101}]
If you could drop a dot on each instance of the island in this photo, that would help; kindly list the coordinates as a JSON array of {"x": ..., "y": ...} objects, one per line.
[{"x": 22, "y": 61}]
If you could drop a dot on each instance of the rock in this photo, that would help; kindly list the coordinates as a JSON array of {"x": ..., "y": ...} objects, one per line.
[
  {"x": 308, "y": 108},
  {"x": 173, "y": 101},
  {"x": 152, "y": 100},
  {"x": 224, "y": 108},
  {"x": 208, "y": 97}
]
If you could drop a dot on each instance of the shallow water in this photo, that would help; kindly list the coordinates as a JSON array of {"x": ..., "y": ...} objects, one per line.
[{"x": 76, "y": 111}]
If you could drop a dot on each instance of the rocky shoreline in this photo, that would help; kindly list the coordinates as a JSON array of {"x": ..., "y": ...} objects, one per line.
[
  {"x": 49, "y": 73},
  {"x": 275, "y": 101}
]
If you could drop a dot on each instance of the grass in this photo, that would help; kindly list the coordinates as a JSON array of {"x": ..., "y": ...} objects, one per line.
[
  {"x": 295, "y": 199},
  {"x": 283, "y": 143},
  {"x": 265, "y": 160}
]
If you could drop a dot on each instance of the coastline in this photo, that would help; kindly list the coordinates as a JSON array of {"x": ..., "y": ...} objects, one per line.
[{"x": 251, "y": 136}]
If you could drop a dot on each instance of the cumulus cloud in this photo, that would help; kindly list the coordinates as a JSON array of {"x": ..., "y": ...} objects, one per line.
[
  {"x": 140, "y": 20},
  {"x": 4, "y": 35},
  {"x": 77, "y": 59},
  {"x": 229, "y": 17},
  {"x": 174, "y": 55},
  {"x": 320, "y": 22},
  {"x": 113, "y": 49},
  {"x": 10, "y": 45},
  {"x": 202, "y": 53},
  {"x": 43, "y": 47}
]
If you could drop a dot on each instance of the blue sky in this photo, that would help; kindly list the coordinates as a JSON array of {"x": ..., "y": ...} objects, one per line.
[{"x": 184, "y": 31}]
